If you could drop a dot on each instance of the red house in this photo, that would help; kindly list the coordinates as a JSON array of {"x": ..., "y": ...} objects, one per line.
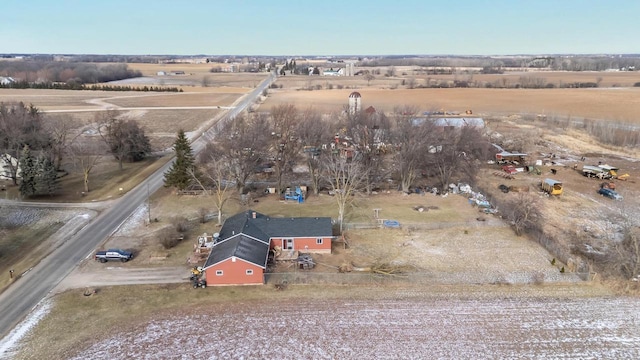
[{"x": 239, "y": 256}]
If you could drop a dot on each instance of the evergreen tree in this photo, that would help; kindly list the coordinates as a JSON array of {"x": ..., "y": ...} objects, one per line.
[
  {"x": 28, "y": 173},
  {"x": 180, "y": 173},
  {"x": 47, "y": 177}
]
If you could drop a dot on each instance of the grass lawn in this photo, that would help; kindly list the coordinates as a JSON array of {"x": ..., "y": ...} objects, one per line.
[{"x": 22, "y": 248}]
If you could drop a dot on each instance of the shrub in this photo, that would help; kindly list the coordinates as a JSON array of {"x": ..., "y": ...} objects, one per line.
[
  {"x": 169, "y": 238},
  {"x": 203, "y": 212},
  {"x": 180, "y": 224},
  {"x": 636, "y": 84}
]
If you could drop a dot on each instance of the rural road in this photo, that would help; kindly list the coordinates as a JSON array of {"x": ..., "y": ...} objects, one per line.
[{"x": 35, "y": 285}]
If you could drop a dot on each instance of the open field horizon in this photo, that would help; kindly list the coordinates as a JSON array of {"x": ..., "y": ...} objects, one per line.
[{"x": 619, "y": 104}]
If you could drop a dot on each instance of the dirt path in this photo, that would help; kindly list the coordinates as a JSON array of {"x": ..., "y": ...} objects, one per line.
[{"x": 116, "y": 274}]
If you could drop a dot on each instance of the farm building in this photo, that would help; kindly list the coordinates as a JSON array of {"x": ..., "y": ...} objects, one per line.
[
  {"x": 355, "y": 102},
  {"x": 505, "y": 157},
  {"x": 456, "y": 122},
  {"x": 5, "y": 80},
  {"x": 239, "y": 255}
]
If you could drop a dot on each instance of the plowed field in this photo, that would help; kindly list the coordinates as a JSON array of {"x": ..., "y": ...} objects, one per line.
[{"x": 409, "y": 328}]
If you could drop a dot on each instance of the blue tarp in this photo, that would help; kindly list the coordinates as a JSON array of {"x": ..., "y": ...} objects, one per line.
[{"x": 391, "y": 224}]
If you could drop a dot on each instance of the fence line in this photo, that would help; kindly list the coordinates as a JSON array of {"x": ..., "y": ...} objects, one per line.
[
  {"x": 423, "y": 278},
  {"x": 430, "y": 225}
]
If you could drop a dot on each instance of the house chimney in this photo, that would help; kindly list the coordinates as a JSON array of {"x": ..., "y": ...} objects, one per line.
[{"x": 253, "y": 214}]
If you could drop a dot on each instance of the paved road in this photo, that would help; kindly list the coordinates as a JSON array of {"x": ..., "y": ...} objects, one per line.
[{"x": 20, "y": 298}]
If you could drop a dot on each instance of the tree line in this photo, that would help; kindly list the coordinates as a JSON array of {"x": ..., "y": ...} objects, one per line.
[
  {"x": 80, "y": 86},
  {"x": 66, "y": 72},
  {"x": 346, "y": 153},
  {"x": 559, "y": 62},
  {"x": 37, "y": 148}
]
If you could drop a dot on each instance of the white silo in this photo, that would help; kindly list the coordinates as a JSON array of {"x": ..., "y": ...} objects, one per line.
[{"x": 355, "y": 102}]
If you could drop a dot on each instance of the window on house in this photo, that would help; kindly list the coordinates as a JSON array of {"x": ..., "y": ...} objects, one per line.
[
  {"x": 218, "y": 272},
  {"x": 287, "y": 244},
  {"x": 319, "y": 241},
  {"x": 249, "y": 272}
]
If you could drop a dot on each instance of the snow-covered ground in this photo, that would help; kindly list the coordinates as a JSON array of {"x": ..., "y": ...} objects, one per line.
[
  {"x": 501, "y": 328},
  {"x": 10, "y": 342}
]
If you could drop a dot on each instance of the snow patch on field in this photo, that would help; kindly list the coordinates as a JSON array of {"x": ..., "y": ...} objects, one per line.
[
  {"x": 133, "y": 222},
  {"x": 598, "y": 328},
  {"x": 9, "y": 344}
]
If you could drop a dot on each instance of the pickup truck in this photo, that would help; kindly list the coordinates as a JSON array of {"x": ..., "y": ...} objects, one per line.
[{"x": 113, "y": 254}]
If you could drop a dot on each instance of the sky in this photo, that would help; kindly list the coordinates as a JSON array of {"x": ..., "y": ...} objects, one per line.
[{"x": 330, "y": 27}]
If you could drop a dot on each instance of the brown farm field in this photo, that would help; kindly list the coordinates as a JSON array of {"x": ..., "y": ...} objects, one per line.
[
  {"x": 614, "y": 104},
  {"x": 61, "y": 100},
  {"x": 193, "y": 77}
]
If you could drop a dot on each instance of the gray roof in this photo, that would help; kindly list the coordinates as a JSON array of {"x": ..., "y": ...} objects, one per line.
[
  {"x": 242, "y": 247},
  {"x": 506, "y": 153},
  {"x": 295, "y": 227},
  {"x": 247, "y": 238},
  {"x": 240, "y": 223},
  {"x": 453, "y": 121}
]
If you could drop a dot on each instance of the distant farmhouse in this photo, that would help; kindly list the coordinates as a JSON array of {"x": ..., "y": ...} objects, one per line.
[
  {"x": 347, "y": 70},
  {"x": 5, "y": 80}
]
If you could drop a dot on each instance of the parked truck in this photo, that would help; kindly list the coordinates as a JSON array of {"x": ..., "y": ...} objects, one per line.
[
  {"x": 113, "y": 254},
  {"x": 552, "y": 187}
]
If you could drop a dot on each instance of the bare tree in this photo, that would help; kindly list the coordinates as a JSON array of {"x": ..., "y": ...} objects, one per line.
[
  {"x": 216, "y": 171},
  {"x": 285, "y": 145},
  {"x": 391, "y": 71},
  {"x": 456, "y": 154},
  {"x": 369, "y": 77},
  {"x": 86, "y": 154},
  {"x": 411, "y": 83},
  {"x": 345, "y": 178},
  {"x": 125, "y": 139},
  {"x": 523, "y": 212},
  {"x": 60, "y": 127},
  {"x": 206, "y": 81},
  {"x": 242, "y": 143},
  {"x": 412, "y": 140},
  {"x": 313, "y": 132},
  {"x": 370, "y": 133},
  {"x": 623, "y": 256},
  {"x": 628, "y": 251}
]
